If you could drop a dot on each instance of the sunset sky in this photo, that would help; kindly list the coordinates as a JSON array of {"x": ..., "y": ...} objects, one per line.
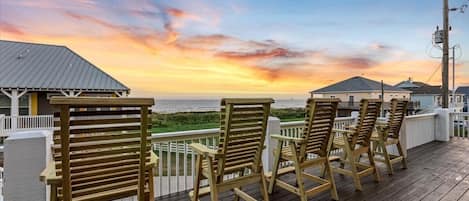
[{"x": 212, "y": 49}]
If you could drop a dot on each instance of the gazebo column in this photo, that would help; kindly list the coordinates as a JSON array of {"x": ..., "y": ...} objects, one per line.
[{"x": 14, "y": 96}]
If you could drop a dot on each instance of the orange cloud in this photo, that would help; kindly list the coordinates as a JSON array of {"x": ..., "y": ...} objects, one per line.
[{"x": 10, "y": 28}]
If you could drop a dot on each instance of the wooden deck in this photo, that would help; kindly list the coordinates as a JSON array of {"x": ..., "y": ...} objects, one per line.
[{"x": 437, "y": 171}]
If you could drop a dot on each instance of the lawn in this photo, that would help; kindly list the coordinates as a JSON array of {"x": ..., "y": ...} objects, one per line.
[{"x": 183, "y": 121}]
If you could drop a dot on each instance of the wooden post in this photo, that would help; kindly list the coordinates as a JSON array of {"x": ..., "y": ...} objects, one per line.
[
  {"x": 64, "y": 139},
  {"x": 445, "y": 59},
  {"x": 143, "y": 145}
]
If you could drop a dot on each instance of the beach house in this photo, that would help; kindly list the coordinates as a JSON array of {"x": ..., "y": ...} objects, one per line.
[
  {"x": 428, "y": 97},
  {"x": 352, "y": 90},
  {"x": 32, "y": 73}
]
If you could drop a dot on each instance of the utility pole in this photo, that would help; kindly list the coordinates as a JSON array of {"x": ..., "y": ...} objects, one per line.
[{"x": 444, "y": 71}]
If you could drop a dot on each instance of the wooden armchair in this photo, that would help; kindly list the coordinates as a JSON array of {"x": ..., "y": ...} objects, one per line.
[
  {"x": 356, "y": 141},
  {"x": 97, "y": 150},
  {"x": 242, "y": 135},
  {"x": 388, "y": 135},
  {"x": 320, "y": 115}
]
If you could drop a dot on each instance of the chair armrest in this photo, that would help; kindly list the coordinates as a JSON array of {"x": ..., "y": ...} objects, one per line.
[
  {"x": 153, "y": 159},
  {"x": 343, "y": 131},
  {"x": 286, "y": 138},
  {"x": 205, "y": 151},
  {"x": 49, "y": 176}
]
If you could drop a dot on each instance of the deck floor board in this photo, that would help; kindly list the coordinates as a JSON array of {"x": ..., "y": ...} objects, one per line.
[{"x": 436, "y": 171}]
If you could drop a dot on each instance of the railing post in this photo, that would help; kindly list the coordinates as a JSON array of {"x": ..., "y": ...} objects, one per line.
[
  {"x": 354, "y": 115},
  {"x": 273, "y": 127},
  {"x": 442, "y": 124},
  {"x": 2, "y": 124},
  {"x": 451, "y": 124}
]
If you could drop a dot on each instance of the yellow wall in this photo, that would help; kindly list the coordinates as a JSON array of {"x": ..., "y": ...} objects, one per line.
[{"x": 34, "y": 103}]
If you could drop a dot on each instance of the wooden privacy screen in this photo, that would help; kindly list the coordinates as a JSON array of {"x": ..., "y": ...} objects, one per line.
[{"x": 97, "y": 148}]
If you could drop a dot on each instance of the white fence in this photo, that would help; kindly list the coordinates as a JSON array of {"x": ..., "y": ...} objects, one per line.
[{"x": 27, "y": 122}]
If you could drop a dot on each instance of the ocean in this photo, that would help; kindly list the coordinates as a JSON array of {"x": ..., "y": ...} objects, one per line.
[{"x": 173, "y": 106}]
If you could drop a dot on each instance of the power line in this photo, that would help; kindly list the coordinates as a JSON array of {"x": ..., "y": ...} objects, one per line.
[{"x": 433, "y": 74}]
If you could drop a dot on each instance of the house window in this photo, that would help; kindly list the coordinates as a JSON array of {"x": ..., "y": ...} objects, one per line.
[
  {"x": 380, "y": 96},
  {"x": 5, "y": 105},
  {"x": 332, "y": 96},
  {"x": 350, "y": 99}
]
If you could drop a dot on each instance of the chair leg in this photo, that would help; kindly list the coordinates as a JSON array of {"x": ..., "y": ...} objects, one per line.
[
  {"x": 373, "y": 165},
  {"x": 198, "y": 175},
  {"x": 323, "y": 170},
  {"x": 354, "y": 169},
  {"x": 151, "y": 185},
  {"x": 212, "y": 180},
  {"x": 344, "y": 158},
  {"x": 53, "y": 192},
  {"x": 330, "y": 175},
  {"x": 387, "y": 160},
  {"x": 236, "y": 197},
  {"x": 401, "y": 152},
  {"x": 275, "y": 167},
  {"x": 298, "y": 174},
  {"x": 265, "y": 193}
]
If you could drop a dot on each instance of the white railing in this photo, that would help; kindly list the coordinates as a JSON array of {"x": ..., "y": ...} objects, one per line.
[
  {"x": 418, "y": 130},
  {"x": 2, "y": 125},
  {"x": 459, "y": 124},
  {"x": 27, "y": 122},
  {"x": 177, "y": 161}
]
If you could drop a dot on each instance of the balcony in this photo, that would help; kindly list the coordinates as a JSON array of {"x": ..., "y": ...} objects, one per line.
[{"x": 436, "y": 145}]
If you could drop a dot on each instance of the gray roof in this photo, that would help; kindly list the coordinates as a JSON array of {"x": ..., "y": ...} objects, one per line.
[
  {"x": 357, "y": 83},
  {"x": 430, "y": 90},
  {"x": 49, "y": 68},
  {"x": 408, "y": 84},
  {"x": 463, "y": 90}
]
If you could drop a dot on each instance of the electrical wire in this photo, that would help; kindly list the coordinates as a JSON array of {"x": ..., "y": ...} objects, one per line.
[
  {"x": 429, "y": 52},
  {"x": 433, "y": 74}
]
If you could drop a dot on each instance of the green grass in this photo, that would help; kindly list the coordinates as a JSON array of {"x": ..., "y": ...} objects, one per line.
[{"x": 183, "y": 121}]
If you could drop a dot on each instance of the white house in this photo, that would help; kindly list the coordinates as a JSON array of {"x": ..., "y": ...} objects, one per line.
[
  {"x": 356, "y": 88},
  {"x": 429, "y": 97}
]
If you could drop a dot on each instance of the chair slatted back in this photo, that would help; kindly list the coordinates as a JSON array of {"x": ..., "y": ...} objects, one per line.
[
  {"x": 319, "y": 121},
  {"x": 369, "y": 112},
  {"x": 397, "y": 113},
  {"x": 243, "y": 129},
  {"x": 97, "y": 148}
]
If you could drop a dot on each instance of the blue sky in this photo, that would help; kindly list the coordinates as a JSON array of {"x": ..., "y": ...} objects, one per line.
[{"x": 251, "y": 48}]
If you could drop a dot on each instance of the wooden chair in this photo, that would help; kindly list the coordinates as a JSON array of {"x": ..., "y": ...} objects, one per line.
[
  {"x": 388, "y": 134},
  {"x": 356, "y": 141},
  {"x": 97, "y": 150},
  {"x": 242, "y": 135},
  {"x": 320, "y": 115}
]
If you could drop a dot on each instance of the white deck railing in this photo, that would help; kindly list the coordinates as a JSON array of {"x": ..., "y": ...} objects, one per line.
[
  {"x": 177, "y": 161},
  {"x": 459, "y": 124},
  {"x": 27, "y": 122},
  {"x": 418, "y": 130}
]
